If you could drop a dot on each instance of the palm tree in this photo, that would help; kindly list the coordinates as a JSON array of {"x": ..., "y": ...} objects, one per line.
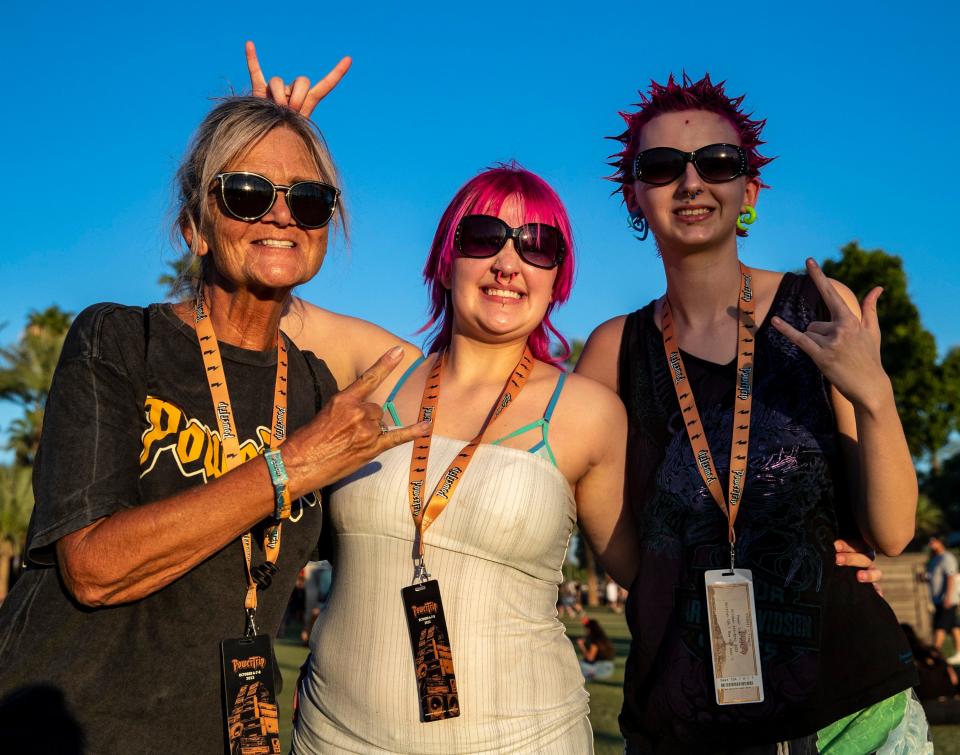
[
  {"x": 16, "y": 505},
  {"x": 183, "y": 274},
  {"x": 930, "y": 517},
  {"x": 26, "y": 371}
]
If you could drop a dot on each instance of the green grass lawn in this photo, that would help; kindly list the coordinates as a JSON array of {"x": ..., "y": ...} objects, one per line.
[{"x": 605, "y": 695}]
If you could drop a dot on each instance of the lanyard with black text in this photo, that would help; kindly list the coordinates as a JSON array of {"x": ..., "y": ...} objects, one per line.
[
  {"x": 743, "y": 404},
  {"x": 731, "y": 611},
  {"x": 233, "y": 457},
  {"x": 423, "y": 607}
]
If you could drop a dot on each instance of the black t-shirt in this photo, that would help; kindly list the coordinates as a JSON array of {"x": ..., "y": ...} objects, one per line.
[
  {"x": 130, "y": 420},
  {"x": 829, "y": 645}
]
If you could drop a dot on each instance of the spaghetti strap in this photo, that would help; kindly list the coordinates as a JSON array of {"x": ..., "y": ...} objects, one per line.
[
  {"x": 403, "y": 378},
  {"x": 555, "y": 397},
  {"x": 388, "y": 404},
  {"x": 544, "y": 423}
]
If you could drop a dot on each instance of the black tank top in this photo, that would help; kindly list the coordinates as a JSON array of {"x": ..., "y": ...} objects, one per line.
[{"x": 829, "y": 645}]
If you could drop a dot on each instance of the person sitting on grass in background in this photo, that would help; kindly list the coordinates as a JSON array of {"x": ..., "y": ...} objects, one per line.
[{"x": 597, "y": 650}]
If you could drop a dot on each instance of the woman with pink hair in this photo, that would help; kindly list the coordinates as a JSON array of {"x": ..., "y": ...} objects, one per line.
[
  {"x": 762, "y": 428},
  {"x": 547, "y": 452}
]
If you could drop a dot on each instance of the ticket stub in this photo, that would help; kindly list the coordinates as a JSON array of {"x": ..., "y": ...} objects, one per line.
[{"x": 734, "y": 645}]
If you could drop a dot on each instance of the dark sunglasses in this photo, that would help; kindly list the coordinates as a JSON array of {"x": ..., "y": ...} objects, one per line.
[
  {"x": 538, "y": 244},
  {"x": 250, "y": 196},
  {"x": 715, "y": 163}
]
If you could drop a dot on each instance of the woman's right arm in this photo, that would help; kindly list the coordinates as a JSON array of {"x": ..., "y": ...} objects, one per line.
[
  {"x": 134, "y": 552},
  {"x": 599, "y": 431}
]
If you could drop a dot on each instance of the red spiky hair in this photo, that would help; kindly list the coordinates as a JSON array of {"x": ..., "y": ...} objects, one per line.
[{"x": 687, "y": 95}]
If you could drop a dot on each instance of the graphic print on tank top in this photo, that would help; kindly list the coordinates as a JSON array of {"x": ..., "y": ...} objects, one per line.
[{"x": 794, "y": 506}]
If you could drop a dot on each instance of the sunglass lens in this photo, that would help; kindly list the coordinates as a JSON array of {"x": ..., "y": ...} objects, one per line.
[
  {"x": 660, "y": 165},
  {"x": 481, "y": 236},
  {"x": 541, "y": 244},
  {"x": 247, "y": 196},
  {"x": 312, "y": 203},
  {"x": 718, "y": 162}
]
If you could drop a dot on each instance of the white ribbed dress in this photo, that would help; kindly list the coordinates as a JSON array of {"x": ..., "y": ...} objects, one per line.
[{"x": 497, "y": 551}]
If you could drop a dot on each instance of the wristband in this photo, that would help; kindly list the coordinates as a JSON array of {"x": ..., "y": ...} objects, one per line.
[{"x": 278, "y": 476}]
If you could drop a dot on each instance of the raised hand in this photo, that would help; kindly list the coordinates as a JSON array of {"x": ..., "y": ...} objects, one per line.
[
  {"x": 846, "y": 349},
  {"x": 299, "y": 96},
  {"x": 346, "y": 434}
]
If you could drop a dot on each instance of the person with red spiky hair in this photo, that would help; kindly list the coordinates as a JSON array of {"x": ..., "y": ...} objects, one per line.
[{"x": 762, "y": 428}]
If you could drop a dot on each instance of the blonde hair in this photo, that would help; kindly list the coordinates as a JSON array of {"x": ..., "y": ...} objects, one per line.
[{"x": 228, "y": 131}]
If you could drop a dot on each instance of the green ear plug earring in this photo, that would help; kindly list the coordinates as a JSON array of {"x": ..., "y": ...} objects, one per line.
[{"x": 747, "y": 217}]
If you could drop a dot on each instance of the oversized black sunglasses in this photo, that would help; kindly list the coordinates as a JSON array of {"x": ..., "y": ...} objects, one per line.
[
  {"x": 250, "y": 196},
  {"x": 538, "y": 244},
  {"x": 716, "y": 163}
]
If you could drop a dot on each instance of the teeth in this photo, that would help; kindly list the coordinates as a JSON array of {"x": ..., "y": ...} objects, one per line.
[
  {"x": 698, "y": 211},
  {"x": 278, "y": 243},
  {"x": 501, "y": 292}
]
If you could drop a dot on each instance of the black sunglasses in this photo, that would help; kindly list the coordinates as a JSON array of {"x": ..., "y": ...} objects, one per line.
[
  {"x": 250, "y": 196},
  {"x": 538, "y": 244},
  {"x": 716, "y": 163}
]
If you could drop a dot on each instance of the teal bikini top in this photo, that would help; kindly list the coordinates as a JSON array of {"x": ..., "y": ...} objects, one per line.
[{"x": 542, "y": 447}]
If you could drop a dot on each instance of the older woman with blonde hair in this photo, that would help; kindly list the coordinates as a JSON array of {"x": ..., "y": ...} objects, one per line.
[{"x": 155, "y": 548}]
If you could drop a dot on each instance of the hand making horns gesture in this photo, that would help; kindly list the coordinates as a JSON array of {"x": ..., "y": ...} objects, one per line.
[
  {"x": 347, "y": 433},
  {"x": 846, "y": 349},
  {"x": 299, "y": 96}
]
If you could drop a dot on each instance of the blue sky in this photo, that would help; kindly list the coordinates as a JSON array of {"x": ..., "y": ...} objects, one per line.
[{"x": 861, "y": 102}]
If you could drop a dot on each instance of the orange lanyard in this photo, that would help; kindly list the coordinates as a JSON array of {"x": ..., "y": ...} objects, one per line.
[
  {"x": 223, "y": 409},
  {"x": 424, "y": 516},
  {"x": 743, "y": 405}
]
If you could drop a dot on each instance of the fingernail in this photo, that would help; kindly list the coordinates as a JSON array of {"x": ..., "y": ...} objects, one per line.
[
  {"x": 840, "y": 559},
  {"x": 396, "y": 352}
]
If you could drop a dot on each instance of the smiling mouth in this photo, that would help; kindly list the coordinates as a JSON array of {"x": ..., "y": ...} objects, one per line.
[
  {"x": 693, "y": 213},
  {"x": 276, "y": 243},
  {"x": 503, "y": 293}
]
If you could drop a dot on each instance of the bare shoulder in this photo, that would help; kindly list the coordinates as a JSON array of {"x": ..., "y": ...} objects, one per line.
[
  {"x": 601, "y": 353},
  {"x": 849, "y": 298},
  {"x": 598, "y": 402},
  {"x": 590, "y": 412},
  {"x": 347, "y": 344},
  {"x": 589, "y": 426}
]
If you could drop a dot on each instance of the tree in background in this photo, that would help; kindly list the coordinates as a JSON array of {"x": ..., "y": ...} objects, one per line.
[
  {"x": 16, "y": 505},
  {"x": 943, "y": 489},
  {"x": 26, "y": 371},
  {"x": 927, "y": 391},
  {"x": 183, "y": 273}
]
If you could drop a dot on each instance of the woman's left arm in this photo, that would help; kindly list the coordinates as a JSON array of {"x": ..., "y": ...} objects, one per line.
[{"x": 847, "y": 352}]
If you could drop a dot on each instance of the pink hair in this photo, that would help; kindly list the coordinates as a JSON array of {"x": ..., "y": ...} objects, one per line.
[
  {"x": 485, "y": 194},
  {"x": 688, "y": 95}
]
